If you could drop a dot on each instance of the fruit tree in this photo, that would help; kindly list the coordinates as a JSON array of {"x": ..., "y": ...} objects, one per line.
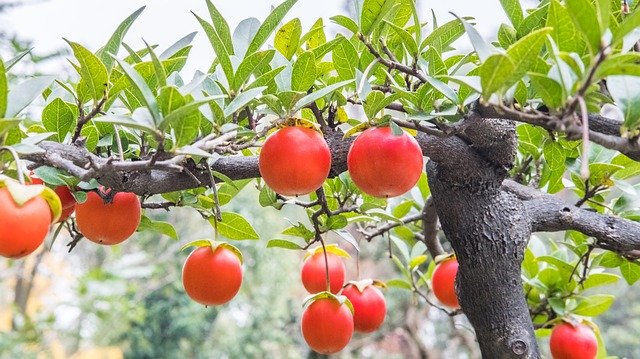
[{"x": 383, "y": 133}]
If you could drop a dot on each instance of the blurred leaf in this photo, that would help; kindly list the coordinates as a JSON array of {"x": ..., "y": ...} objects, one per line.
[
  {"x": 630, "y": 271},
  {"x": 594, "y": 305},
  {"x": 283, "y": 243},
  {"x": 598, "y": 279},
  {"x": 4, "y": 88},
  {"x": 625, "y": 90}
]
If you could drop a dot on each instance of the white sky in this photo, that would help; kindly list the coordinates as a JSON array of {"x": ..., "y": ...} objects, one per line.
[{"x": 91, "y": 22}]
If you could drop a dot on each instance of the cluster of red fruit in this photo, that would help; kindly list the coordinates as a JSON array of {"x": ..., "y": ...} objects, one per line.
[
  {"x": 24, "y": 226},
  {"x": 296, "y": 160}
]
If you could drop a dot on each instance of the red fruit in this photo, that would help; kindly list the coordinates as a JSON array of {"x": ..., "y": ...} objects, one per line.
[
  {"x": 573, "y": 342},
  {"x": 384, "y": 165},
  {"x": 66, "y": 198},
  {"x": 212, "y": 276},
  {"x": 294, "y": 161},
  {"x": 314, "y": 276},
  {"x": 369, "y": 307},
  {"x": 443, "y": 282},
  {"x": 108, "y": 223},
  {"x": 22, "y": 228},
  {"x": 327, "y": 325}
]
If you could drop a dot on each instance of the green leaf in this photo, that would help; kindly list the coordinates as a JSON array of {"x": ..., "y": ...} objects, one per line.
[
  {"x": 315, "y": 36},
  {"x": 299, "y": 230},
  {"x": 373, "y": 12},
  {"x": 269, "y": 25},
  {"x": 444, "y": 35},
  {"x": 23, "y": 94},
  {"x": 594, "y": 305},
  {"x": 564, "y": 32},
  {"x": 234, "y": 226},
  {"x": 524, "y": 54},
  {"x": 319, "y": 94},
  {"x": 11, "y": 62},
  {"x": 221, "y": 27},
  {"x": 494, "y": 73},
  {"x": 158, "y": 69},
  {"x": 345, "y": 59},
  {"x": 549, "y": 90},
  {"x": 304, "y": 72},
  {"x": 126, "y": 121},
  {"x": 59, "y": 117},
  {"x": 554, "y": 156},
  {"x": 345, "y": 22},
  {"x": 483, "y": 49},
  {"x": 287, "y": 39},
  {"x": 585, "y": 18},
  {"x": 222, "y": 55},
  {"x": 407, "y": 40},
  {"x": 443, "y": 89},
  {"x": 603, "y": 11},
  {"x": 598, "y": 279},
  {"x": 186, "y": 111},
  {"x": 266, "y": 79},
  {"x": 175, "y": 49},
  {"x": 165, "y": 228},
  {"x": 92, "y": 71},
  {"x": 143, "y": 89},
  {"x": 113, "y": 45},
  {"x": 533, "y": 21},
  {"x": 242, "y": 100},
  {"x": 283, "y": 243},
  {"x": 625, "y": 90},
  {"x": 4, "y": 89},
  {"x": 506, "y": 35},
  {"x": 253, "y": 63},
  {"x": 399, "y": 283},
  {"x": 610, "y": 260},
  {"x": 629, "y": 24},
  {"x": 630, "y": 271},
  {"x": 513, "y": 10}
]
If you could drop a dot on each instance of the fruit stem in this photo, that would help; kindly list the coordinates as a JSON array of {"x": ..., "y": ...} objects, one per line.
[
  {"x": 16, "y": 159},
  {"x": 326, "y": 265}
]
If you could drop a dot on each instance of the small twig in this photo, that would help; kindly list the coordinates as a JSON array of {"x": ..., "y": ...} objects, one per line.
[
  {"x": 391, "y": 65},
  {"x": 160, "y": 205},
  {"x": 391, "y": 225},
  {"x": 119, "y": 143},
  {"x": 16, "y": 159},
  {"x": 83, "y": 119},
  {"x": 214, "y": 188}
]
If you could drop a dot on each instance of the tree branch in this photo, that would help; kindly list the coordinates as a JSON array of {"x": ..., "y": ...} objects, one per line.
[{"x": 551, "y": 214}]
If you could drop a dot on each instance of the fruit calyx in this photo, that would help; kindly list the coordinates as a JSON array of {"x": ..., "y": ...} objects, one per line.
[{"x": 214, "y": 245}]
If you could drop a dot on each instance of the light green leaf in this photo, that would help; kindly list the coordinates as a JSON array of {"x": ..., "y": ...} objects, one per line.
[
  {"x": 629, "y": 24},
  {"x": 513, "y": 10},
  {"x": 444, "y": 35},
  {"x": 373, "y": 12},
  {"x": 483, "y": 49},
  {"x": 222, "y": 55},
  {"x": 524, "y": 54},
  {"x": 625, "y": 90},
  {"x": 58, "y": 117},
  {"x": 564, "y": 32},
  {"x": 158, "y": 69},
  {"x": 443, "y": 89},
  {"x": 147, "y": 224},
  {"x": 174, "y": 49},
  {"x": 113, "y": 45},
  {"x": 603, "y": 10},
  {"x": 598, "y": 279},
  {"x": 147, "y": 97},
  {"x": 407, "y": 40},
  {"x": 92, "y": 71},
  {"x": 4, "y": 89},
  {"x": 584, "y": 16},
  {"x": 234, "y": 226},
  {"x": 126, "y": 122},
  {"x": 554, "y": 156},
  {"x": 533, "y": 21},
  {"x": 23, "y": 94},
  {"x": 630, "y": 271},
  {"x": 287, "y": 39},
  {"x": 253, "y": 63},
  {"x": 221, "y": 27},
  {"x": 304, "y": 72},
  {"x": 283, "y": 243},
  {"x": 549, "y": 90},
  {"x": 269, "y": 25},
  {"x": 345, "y": 59},
  {"x": 494, "y": 73},
  {"x": 185, "y": 111},
  {"x": 319, "y": 94},
  {"x": 345, "y": 22},
  {"x": 594, "y": 305},
  {"x": 242, "y": 100}
]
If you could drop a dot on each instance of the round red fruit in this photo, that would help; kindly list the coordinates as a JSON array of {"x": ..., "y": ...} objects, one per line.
[
  {"x": 294, "y": 161},
  {"x": 212, "y": 276},
  {"x": 327, "y": 325},
  {"x": 314, "y": 276},
  {"x": 443, "y": 282},
  {"x": 384, "y": 165},
  {"x": 369, "y": 306},
  {"x": 22, "y": 228},
  {"x": 570, "y": 341},
  {"x": 108, "y": 223}
]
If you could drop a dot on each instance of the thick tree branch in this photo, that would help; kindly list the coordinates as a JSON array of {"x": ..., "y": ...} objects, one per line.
[{"x": 549, "y": 213}]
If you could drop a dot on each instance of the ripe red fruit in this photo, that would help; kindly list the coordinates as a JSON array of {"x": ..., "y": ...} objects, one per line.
[
  {"x": 443, "y": 282},
  {"x": 384, "y": 165},
  {"x": 212, "y": 276},
  {"x": 294, "y": 161},
  {"x": 570, "y": 341},
  {"x": 108, "y": 223},
  {"x": 314, "y": 276},
  {"x": 66, "y": 198},
  {"x": 369, "y": 306},
  {"x": 22, "y": 228},
  {"x": 327, "y": 325}
]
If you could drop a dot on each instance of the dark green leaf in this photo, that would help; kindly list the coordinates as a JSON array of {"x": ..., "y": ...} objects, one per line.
[{"x": 59, "y": 117}]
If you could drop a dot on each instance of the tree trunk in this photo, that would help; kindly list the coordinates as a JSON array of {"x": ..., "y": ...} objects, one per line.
[{"x": 488, "y": 230}]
